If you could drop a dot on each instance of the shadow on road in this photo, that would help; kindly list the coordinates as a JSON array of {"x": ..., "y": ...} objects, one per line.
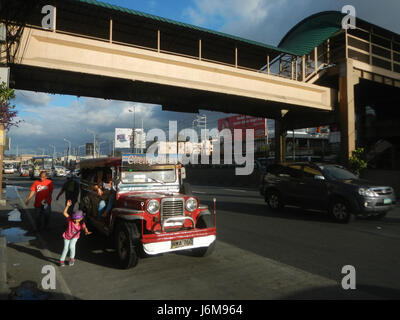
[
  {"x": 262, "y": 210},
  {"x": 336, "y": 293}
]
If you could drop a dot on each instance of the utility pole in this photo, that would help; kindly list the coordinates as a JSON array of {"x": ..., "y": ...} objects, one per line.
[
  {"x": 133, "y": 129},
  {"x": 54, "y": 150},
  {"x": 94, "y": 141},
  {"x": 69, "y": 149}
]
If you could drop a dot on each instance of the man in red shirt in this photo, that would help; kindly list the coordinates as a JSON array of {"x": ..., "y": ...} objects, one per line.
[{"x": 44, "y": 190}]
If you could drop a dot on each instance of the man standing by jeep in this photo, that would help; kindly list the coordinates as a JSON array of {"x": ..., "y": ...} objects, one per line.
[
  {"x": 44, "y": 190},
  {"x": 71, "y": 189}
]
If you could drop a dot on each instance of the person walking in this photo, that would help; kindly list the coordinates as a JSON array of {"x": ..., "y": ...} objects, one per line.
[
  {"x": 43, "y": 188},
  {"x": 71, "y": 189},
  {"x": 72, "y": 234}
]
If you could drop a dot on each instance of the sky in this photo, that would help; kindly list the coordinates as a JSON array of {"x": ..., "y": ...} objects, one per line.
[{"x": 49, "y": 119}]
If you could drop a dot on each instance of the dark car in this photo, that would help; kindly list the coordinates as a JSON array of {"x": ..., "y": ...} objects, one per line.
[{"x": 324, "y": 187}]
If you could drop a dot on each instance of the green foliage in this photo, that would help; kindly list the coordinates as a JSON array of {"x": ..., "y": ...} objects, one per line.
[
  {"x": 357, "y": 161},
  {"x": 7, "y": 111}
]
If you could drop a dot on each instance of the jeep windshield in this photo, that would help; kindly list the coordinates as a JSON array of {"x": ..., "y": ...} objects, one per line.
[
  {"x": 337, "y": 172},
  {"x": 148, "y": 177}
]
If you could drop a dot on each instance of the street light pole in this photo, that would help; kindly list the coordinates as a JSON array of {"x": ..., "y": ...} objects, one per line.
[
  {"x": 69, "y": 150},
  {"x": 94, "y": 141},
  {"x": 79, "y": 150},
  {"x": 100, "y": 143},
  {"x": 54, "y": 150},
  {"x": 133, "y": 129}
]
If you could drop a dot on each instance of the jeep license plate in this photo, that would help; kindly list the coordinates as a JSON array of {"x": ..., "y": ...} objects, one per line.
[
  {"x": 181, "y": 243},
  {"x": 387, "y": 201}
]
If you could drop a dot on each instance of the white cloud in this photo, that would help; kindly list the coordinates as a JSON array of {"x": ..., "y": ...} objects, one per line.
[
  {"x": 269, "y": 20},
  {"x": 30, "y": 98}
]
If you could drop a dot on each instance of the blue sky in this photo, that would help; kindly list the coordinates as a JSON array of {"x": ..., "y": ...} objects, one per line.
[{"x": 50, "y": 118}]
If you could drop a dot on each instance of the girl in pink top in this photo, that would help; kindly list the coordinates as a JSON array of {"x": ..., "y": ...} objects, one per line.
[{"x": 72, "y": 234}]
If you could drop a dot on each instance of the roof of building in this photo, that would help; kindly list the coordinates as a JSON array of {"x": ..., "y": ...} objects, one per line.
[
  {"x": 184, "y": 25},
  {"x": 311, "y": 32}
]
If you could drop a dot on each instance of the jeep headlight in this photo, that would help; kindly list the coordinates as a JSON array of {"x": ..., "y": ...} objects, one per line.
[
  {"x": 153, "y": 206},
  {"x": 367, "y": 192},
  {"x": 191, "y": 204}
]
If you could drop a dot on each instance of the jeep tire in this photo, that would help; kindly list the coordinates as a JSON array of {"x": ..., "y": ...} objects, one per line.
[
  {"x": 126, "y": 239},
  {"x": 204, "y": 222}
]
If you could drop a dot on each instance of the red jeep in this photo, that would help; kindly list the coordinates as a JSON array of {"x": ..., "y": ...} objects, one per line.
[{"x": 154, "y": 211}]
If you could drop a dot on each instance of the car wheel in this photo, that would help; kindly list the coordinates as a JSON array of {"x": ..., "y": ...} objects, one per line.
[
  {"x": 274, "y": 200},
  {"x": 340, "y": 211},
  {"x": 126, "y": 239}
]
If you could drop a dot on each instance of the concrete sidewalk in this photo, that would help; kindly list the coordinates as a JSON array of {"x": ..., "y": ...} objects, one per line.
[
  {"x": 4, "y": 224},
  {"x": 24, "y": 257}
]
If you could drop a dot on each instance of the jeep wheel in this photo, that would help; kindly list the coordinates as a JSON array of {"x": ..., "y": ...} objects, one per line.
[
  {"x": 205, "y": 222},
  {"x": 205, "y": 251},
  {"x": 126, "y": 240},
  {"x": 274, "y": 200},
  {"x": 340, "y": 211}
]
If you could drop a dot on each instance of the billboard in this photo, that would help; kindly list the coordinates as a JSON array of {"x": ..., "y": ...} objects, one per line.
[
  {"x": 123, "y": 138},
  {"x": 259, "y": 125}
]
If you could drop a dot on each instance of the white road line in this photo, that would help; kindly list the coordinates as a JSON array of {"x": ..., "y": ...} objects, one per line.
[
  {"x": 199, "y": 192},
  {"x": 236, "y": 190},
  {"x": 66, "y": 292}
]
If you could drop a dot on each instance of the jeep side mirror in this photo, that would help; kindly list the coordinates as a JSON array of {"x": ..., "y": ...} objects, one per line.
[{"x": 183, "y": 173}]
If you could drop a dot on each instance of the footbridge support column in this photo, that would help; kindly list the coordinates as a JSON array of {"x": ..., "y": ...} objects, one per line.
[{"x": 347, "y": 80}]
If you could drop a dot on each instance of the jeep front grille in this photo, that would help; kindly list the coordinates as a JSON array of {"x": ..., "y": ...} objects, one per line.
[{"x": 172, "y": 207}]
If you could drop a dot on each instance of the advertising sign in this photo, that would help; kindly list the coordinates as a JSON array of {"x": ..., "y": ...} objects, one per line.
[
  {"x": 123, "y": 138},
  {"x": 243, "y": 122}
]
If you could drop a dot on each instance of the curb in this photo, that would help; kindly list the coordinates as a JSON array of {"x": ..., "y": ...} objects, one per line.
[{"x": 4, "y": 290}]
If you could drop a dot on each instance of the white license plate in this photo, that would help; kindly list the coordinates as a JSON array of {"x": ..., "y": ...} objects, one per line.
[
  {"x": 181, "y": 243},
  {"x": 387, "y": 201}
]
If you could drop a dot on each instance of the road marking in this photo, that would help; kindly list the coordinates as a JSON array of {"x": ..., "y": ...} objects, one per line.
[
  {"x": 235, "y": 190},
  {"x": 65, "y": 291},
  {"x": 199, "y": 192}
]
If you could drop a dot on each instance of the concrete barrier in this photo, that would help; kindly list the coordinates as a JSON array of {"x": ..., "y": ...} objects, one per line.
[{"x": 3, "y": 269}]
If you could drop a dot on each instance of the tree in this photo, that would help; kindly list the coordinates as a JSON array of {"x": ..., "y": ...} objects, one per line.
[
  {"x": 357, "y": 162},
  {"x": 8, "y": 116},
  {"x": 8, "y": 113}
]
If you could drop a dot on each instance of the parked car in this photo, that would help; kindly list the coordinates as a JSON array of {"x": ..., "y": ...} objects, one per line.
[
  {"x": 154, "y": 210},
  {"x": 325, "y": 187},
  {"x": 8, "y": 169}
]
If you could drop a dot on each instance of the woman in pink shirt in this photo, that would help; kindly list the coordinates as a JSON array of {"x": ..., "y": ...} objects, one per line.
[{"x": 71, "y": 235}]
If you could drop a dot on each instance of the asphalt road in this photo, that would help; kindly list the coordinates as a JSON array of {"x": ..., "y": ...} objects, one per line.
[{"x": 260, "y": 255}]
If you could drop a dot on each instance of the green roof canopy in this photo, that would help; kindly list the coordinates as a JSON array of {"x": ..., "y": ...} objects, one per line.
[{"x": 311, "y": 32}]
